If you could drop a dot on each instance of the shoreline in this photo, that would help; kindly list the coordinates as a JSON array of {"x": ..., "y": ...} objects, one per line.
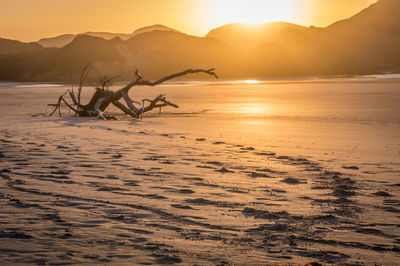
[{"x": 368, "y": 78}]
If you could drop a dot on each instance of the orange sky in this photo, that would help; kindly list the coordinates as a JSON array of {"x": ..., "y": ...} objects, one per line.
[{"x": 30, "y": 20}]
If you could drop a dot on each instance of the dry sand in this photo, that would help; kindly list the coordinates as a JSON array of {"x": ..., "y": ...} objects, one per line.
[{"x": 291, "y": 172}]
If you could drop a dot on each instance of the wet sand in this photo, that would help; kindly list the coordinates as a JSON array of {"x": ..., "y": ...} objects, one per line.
[{"x": 240, "y": 174}]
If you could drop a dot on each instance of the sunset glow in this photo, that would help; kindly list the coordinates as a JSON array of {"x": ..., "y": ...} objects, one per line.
[
  {"x": 255, "y": 11},
  {"x": 200, "y": 132},
  {"x": 28, "y": 20}
]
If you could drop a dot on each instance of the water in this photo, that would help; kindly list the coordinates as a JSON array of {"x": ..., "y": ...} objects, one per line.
[
  {"x": 28, "y": 85},
  {"x": 363, "y": 101},
  {"x": 350, "y": 120}
]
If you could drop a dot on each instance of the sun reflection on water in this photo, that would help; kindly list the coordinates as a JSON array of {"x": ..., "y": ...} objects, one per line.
[{"x": 252, "y": 109}]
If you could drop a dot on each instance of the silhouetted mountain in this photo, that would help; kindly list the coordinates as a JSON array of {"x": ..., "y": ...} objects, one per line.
[
  {"x": 155, "y": 27},
  {"x": 371, "y": 38},
  {"x": 107, "y": 35},
  {"x": 67, "y": 63},
  {"x": 62, "y": 40},
  {"x": 363, "y": 44},
  {"x": 165, "y": 51},
  {"x": 154, "y": 53},
  {"x": 381, "y": 17},
  {"x": 58, "y": 41},
  {"x": 247, "y": 36},
  {"x": 17, "y": 59},
  {"x": 9, "y": 47}
]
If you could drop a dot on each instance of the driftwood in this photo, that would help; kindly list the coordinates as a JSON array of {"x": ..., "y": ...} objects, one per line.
[{"x": 103, "y": 96}]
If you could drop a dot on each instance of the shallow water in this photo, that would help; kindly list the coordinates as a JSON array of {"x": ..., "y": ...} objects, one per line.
[{"x": 337, "y": 115}]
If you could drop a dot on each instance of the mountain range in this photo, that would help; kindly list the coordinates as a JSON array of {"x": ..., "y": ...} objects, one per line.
[
  {"x": 366, "y": 43},
  {"x": 62, "y": 40}
]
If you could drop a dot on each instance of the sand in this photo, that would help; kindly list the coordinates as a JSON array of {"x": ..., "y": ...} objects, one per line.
[{"x": 276, "y": 172}]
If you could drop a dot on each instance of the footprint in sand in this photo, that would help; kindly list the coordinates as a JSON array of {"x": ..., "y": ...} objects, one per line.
[
  {"x": 292, "y": 181},
  {"x": 224, "y": 170},
  {"x": 351, "y": 167}
]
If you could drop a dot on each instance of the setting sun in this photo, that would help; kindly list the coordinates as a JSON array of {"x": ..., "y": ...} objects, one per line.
[{"x": 253, "y": 11}]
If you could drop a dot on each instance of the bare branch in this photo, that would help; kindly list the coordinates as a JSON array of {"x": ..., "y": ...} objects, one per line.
[
  {"x": 103, "y": 97},
  {"x": 98, "y": 105},
  {"x": 154, "y": 103},
  {"x": 58, "y": 104},
  {"x": 69, "y": 106},
  {"x": 129, "y": 102},
  {"x": 85, "y": 73},
  {"x": 176, "y": 75},
  {"x": 125, "y": 109},
  {"x": 72, "y": 95},
  {"x": 139, "y": 80}
]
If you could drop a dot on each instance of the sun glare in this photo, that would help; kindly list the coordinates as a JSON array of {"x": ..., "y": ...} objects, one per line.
[
  {"x": 252, "y": 81},
  {"x": 253, "y": 11}
]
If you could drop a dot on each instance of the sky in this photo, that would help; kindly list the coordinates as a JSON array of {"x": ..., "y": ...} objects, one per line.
[{"x": 31, "y": 20}]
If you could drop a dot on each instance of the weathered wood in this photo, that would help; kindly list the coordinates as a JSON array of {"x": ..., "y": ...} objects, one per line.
[
  {"x": 125, "y": 109},
  {"x": 129, "y": 102},
  {"x": 103, "y": 97},
  {"x": 139, "y": 82}
]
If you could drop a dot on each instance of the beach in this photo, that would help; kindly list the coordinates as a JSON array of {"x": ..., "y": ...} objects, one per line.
[{"x": 243, "y": 172}]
